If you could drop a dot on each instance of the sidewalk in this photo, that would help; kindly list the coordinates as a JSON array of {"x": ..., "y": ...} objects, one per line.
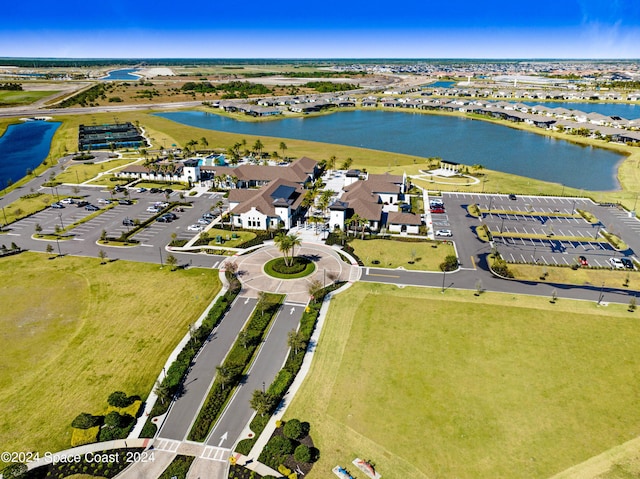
[
  {"x": 153, "y": 397},
  {"x": 297, "y": 382}
]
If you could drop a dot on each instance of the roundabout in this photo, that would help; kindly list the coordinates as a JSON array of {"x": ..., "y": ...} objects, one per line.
[{"x": 325, "y": 266}]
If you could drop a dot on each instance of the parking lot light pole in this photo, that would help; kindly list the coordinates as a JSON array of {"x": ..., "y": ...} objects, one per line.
[
  {"x": 58, "y": 244},
  {"x": 601, "y": 297},
  {"x": 443, "y": 277},
  {"x": 160, "y": 251},
  {"x": 502, "y": 225},
  {"x": 573, "y": 208},
  {"x": 61, "y": 223}
]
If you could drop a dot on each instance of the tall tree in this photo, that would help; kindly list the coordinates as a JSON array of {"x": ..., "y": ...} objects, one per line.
[
  {"x": 261, "y": 402},
  {"x": 204, "y": 142},
  {"x": 257, "y": 147},
  {"x": 296, "y": 341},
  {"x": 283, "y": 148},
  {"x": 284, "y": 245},
  {"x": 294, "y": 240}
]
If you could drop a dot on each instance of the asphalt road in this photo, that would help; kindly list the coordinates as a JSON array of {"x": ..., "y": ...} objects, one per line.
[
  {"x": 200, "y": 377},
  {"x": 266, "y": 365}
]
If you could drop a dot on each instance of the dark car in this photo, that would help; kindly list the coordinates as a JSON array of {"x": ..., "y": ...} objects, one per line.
[
  {"x": 168, "y": 191},
  {"x": 627, "y": 263},
  {"x": 164, "y": 219},
  {"x": 125, "y": 202},
  {"x": 171, "y": 216},
  {"x": 583, "y": 261},
  {"x": 512, "y": 196},
  {"x": 80, "y": 204},
  {"x": 91, "y": 208},
  {"x": 155, "y": 190},
  {"x": 57, "y": 206},
  {"x": 128, "y": 222}
]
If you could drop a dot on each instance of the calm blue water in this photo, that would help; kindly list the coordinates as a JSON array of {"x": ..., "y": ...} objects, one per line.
[
  {"x": 122, "y": 74},
  {"x": 24, "y": 146},
  {"x": 623, "y": 110},
  {"x": 440, "y": 84},
  {"x": 451, "y": 138}
]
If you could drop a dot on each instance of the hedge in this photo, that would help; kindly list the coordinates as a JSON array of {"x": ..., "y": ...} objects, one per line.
[
  {"x": 178, "y": 369},
  {"x": 235, "y": 363},
  {"x": 280, "y": 385}
]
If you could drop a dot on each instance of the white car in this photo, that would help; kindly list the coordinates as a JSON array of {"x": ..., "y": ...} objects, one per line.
[
  {"x": 153, "y": 209},
  {"x": 197, "y": 228},
  {"x": 444, "y": 233},
  {"x": 67, "y": 201},
  {"x": 102, "y": 201},
  {"x": 616, "y": 263}
]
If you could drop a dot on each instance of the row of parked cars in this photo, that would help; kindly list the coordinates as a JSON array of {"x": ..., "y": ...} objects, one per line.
[
  {"x": 201, "y": 223},
  {"x": 622, "y": 263}
]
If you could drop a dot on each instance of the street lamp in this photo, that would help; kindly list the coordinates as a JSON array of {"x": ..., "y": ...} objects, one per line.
[
  {"x": 573, "y": 208},
  {"x": 443, "y": 277},
  {"x": 502, "y": 225},
  {"x": 601, "y": 297},
  {"x": 58, "y": 243},
  {"x": 61, "y": 223}
]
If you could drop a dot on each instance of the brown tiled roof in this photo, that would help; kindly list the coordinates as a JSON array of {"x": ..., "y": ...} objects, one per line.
[
  {"x": 366, "y": 209},
  {"x": 262, "y": 200},
  {"x": 398, "y": 218},
  {"x": 135, "y": 169}
]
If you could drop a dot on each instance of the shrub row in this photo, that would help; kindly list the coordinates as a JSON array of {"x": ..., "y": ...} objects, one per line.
[
  {"x": 234, "y": 366},
  {"x": 176, "y": 372},
  {"x": 280, "y": 385}
]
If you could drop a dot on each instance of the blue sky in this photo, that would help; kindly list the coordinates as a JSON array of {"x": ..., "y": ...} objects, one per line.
[{"x": 329, "y": 29}]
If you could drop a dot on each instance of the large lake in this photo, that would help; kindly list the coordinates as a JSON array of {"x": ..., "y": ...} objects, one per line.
[
  {"x": 24, "y": 146},
  {"x": 630, "y": 111},
  {"x": 452, "y": 138},
  {"x": 122, "y": 74}
]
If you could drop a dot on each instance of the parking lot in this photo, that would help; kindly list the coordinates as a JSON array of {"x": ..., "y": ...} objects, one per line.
[
  {"x": 116, "y": 218},
  {"x": 565, "y": 239}
]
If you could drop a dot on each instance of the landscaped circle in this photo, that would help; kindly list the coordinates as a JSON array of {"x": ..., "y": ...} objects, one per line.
[{"x": 298, "y": 267}]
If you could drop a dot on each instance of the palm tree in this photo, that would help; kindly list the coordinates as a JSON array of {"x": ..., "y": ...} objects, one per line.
[
  {"x": 162, "y": 391},
  {"x": 294, "y": 240},
  {"x": 257, "y": 147},
  {"x": 284, "y": 245},
  {"x": 204, "y": 142},
  {"x": 296, "y": 341},
  {"x": 261, "y": 402},
  {"x": 332, "y": 162},
  {"x": 283, "y": 148}
]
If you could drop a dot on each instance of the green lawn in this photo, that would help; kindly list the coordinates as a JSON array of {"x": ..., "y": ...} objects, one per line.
[
  {"x": 74, "y": 331},
  {"x": 27, "y": 206},
  {"x": 17, "y": 98},
  {"x": 227, "y": 236},
  {"x": 426, "y": 255},
  {"x": 86, "y": 171},
  {"x": 457, "y": 386}
]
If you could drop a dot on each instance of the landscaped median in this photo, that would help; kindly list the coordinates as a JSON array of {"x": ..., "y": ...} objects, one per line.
[
  {"x": 235, "y": 364},
  {"x": 178, "y": 369},
  {"x": 287, "y": 374}
]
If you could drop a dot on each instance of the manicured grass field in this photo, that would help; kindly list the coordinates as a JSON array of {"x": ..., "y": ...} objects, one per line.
[
  {"x": 17, "y": 98},
  {"x": 616, "y": 278},
  {"x": 227, "y": 236},
  {"x": 74, "y": 331},
  {"x": 87, "y": 171},
  {"x": 426, "y": 255},
  {"x": 457, "y": 386},
  {"x": 26, "y": 206}
]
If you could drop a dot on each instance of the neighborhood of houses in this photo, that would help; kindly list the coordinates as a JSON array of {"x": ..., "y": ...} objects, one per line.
[{"x": 611, "y": 128}]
